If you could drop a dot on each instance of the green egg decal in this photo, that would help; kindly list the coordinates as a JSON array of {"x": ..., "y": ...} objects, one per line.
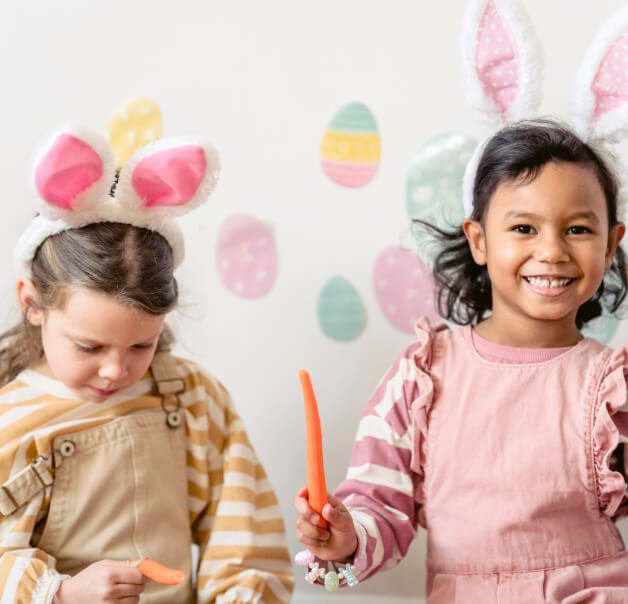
[
  {"x": 341, "y": 312},
  {"x": 602, "y": 328},
  {"x": 434, "y": 188}
]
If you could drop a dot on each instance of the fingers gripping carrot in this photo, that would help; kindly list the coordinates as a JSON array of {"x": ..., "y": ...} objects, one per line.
[
  {"x": 316, "y": 486},
  {"x": 160, "y": 573}
]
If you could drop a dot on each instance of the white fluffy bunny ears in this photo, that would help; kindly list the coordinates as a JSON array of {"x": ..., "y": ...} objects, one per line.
[
  {"x": 502, "y": 71},
  {"x": 75, "y": 171}
]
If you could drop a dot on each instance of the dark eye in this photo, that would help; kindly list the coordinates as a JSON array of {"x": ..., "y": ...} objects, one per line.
[
  {"x": 578, "y": 230},
  {"x": 143, "y": 346},
  {"x": 524, "y": 229}
]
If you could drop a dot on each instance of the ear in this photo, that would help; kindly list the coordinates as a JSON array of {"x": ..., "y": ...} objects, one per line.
[
  {"x": 474, "y": 233},
  {"x": 501, "y": 61},
  {"x": 169, "y": 177},
  {"x": 615, "y": 235},
  {"x": 74, "y": 170},
  {"x": 27, "y": 297},
  {"x": 601, "y": 91}
]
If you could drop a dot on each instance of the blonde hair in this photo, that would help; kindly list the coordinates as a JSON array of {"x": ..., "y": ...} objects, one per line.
[{"x": 131, "y": 264}]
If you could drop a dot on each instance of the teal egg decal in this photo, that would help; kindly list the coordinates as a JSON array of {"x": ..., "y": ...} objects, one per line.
[
  {"x": 341, "y": 312},
  {"x": 434, "y": 188},
  {"x": 602, "y": 328}
]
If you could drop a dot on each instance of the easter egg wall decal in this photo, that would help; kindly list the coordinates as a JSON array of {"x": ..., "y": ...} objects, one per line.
[
  {"x": 136, "y": 124},
  {"x": 434, "y": 188},
  {"x": 404, "y": 288},
  {"x": 351, "y": 146},
  {"x": 601, "y": 328},
  {"x": 341, "y": 312},
  {"x": 246, "y": 256}
]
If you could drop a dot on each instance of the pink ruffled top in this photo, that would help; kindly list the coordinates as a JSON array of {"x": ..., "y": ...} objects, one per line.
[{"x": 513, "y": 449}]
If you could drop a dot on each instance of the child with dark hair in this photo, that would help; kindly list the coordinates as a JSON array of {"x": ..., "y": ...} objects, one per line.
[
  {"x": 505, "y": 438},
  {"x": 112, "y": 449}
]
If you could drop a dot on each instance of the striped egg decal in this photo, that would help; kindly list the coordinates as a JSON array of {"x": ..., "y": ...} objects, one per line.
[
  {"x": 351, "y": 146},
  {"x": 246, "y": 256}
]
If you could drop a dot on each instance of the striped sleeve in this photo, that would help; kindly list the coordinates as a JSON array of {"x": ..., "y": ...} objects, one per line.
[
  {"x": 383, "y": 483},
  {"x": 236, "y": 519}
]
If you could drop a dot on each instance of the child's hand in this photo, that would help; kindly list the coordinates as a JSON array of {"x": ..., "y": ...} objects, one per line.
[
  {"x": 103, "y": 581},
  {"x": 338, "y": 541}
]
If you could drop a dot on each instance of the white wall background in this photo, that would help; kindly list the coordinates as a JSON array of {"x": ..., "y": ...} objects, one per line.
[{"x": 262, "y": 80}]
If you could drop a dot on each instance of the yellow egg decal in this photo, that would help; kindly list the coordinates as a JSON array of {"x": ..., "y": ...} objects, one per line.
[
  {"x": 351, "y": 147},
  {"x": 136, "y": 124}
]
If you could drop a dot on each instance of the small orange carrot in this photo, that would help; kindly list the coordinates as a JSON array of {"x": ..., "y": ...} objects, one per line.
[
  {"x": 316, "y": 486},
  {"x": 160, "y": 573}
]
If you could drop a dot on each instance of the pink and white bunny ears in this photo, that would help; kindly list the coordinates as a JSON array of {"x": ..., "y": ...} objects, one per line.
[
  {"x": 502, "y": 73},
  {"x": 75, "y": 172}
]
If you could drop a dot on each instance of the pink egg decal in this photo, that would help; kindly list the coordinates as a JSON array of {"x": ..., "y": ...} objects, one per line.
[
  {"x": 404, "y": 288},
  {"x": 246, "y": 256}
]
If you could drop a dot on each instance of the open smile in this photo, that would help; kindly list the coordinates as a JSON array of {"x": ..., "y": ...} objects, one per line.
[{"x": 551, "y": 286}]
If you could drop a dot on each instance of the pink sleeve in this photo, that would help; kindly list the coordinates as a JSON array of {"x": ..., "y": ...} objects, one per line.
[
  {"x": 610, "y": 436},
  {"x": 384, "y": 484}
]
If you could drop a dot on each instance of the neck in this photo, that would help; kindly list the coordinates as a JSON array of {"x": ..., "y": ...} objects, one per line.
[{"x": 529, "y": 333}]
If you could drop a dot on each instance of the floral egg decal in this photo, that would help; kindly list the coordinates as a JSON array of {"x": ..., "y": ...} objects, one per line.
[
  {"x": 404, "y": 288},
  {"x": 434, "y": 188},
  {"x": 351, "y": 146},
  {"x": 341, "y": 312},
  {"x": 246, "y": 256},
  {"x": 134, "y": 125}
]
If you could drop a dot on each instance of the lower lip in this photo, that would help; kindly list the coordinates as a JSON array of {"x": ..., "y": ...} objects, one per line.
[
  {"x": 102, "y": 393},
  {"x": 548, "y": 292}
]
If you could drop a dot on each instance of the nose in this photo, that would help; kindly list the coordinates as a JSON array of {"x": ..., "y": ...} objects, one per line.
[
  {"x": 114, "y": 367},
  {"x": 551, "y": 248}
]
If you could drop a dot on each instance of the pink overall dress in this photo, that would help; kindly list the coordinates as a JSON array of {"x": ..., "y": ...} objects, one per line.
[{"x": 518, "y": 494}]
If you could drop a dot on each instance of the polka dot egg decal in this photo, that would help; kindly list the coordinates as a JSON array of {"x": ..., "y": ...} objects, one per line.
[
  {"x": 135, "y": 125},
  {"x": 434, "y": 188},
  {"x": 351, "y": 146},
  {"x": 403, "y": 287},
  {"x": 246, "y": 256},
  {"x": 341, "y": 312}
]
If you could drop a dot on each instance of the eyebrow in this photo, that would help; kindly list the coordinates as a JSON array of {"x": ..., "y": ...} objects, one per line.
[
  {"x": 90, "y": 342},
  {"x": 584, "y": 215}
]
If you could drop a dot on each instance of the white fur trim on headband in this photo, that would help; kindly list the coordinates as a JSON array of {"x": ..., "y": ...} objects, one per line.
[
  {"x": 530, "y": 62},
  {"x": 469, "y": 176},
  {"x": 614, "y": 123},
  {"x": 109, "y": 211}
]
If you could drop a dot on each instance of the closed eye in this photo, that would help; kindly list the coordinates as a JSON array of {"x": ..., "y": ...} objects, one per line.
[{"x": 86, "y": 349}]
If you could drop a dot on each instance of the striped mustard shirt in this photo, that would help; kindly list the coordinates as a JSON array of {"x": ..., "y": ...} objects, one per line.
[{"x": 234, "y": 513}]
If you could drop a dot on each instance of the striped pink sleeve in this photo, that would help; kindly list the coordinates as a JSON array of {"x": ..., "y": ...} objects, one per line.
[{"x": 383, "y": 486}]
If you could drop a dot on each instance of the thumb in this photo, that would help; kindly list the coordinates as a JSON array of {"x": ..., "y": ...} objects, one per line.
[{"x": 338, "y": 516}]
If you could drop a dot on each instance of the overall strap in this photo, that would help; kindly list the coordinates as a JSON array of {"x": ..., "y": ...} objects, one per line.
[
  {"x": 26, "y": 484},
  {"x": 170, "y": 383}
]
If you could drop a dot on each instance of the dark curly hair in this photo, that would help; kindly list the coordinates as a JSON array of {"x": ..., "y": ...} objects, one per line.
[{"x": 518, "y": 152}]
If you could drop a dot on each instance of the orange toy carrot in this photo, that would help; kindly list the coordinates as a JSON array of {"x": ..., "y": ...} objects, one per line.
[
  {"x": 316, "y": 487},
  {"x": 160, "y": 573}
]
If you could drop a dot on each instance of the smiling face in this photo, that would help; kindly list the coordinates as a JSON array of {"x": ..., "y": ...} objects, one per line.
[
  {"x": 546, "y": 245},
  {"x": 94, "y": 344}
]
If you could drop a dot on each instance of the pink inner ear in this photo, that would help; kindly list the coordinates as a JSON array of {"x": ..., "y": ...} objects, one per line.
[
  {"x": 610, "y": 86},
  {"x": 170, "y": 177},
  {"x": 497, "y": 64},
  {"x": 69, "y": 167}
]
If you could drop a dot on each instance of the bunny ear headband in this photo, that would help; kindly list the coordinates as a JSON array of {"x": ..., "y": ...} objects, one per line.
[
  {"x": 76, "y": 169},
  {"x": 502, "y": 67}
]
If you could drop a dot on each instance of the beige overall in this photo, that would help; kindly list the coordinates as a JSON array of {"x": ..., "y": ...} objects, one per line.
[{"x": 120, "y": 492}]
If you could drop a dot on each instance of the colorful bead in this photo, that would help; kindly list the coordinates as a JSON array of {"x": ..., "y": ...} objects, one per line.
[
  {"x": 331, "y": 581},
  {"x": 304, "y": 558}
]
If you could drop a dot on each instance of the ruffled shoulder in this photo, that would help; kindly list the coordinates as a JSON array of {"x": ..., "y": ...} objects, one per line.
[
  {"x": 421, "y": 406},
  {"x": 609, "y": 429}
]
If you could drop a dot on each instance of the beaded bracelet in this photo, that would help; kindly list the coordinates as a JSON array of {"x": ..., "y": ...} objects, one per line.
[{"x": 330, "y": 578}]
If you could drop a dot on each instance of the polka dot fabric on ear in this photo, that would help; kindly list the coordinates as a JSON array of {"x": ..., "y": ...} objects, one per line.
[{"x": 611, "y": 83}]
